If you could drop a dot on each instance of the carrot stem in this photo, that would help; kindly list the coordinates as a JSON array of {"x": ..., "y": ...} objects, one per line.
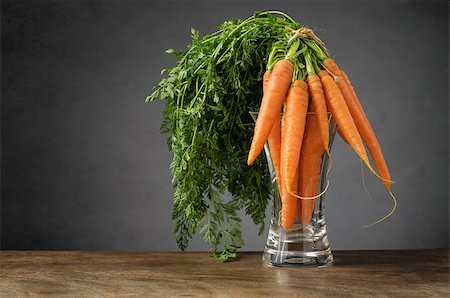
[
  {"x": 318, "y": 51},
  {"x": 291, "y": 54}
]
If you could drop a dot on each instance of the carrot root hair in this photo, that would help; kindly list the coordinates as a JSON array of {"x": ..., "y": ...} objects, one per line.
[
  {"x": 364, "y": 183},
  {"x": 387, "y": 215},
  {"x": 335, "y": 77},
  {"x": 314, "y": 197}
]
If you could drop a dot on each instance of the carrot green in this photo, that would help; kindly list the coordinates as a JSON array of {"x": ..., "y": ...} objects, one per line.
[{"x": 208, "y": 96}]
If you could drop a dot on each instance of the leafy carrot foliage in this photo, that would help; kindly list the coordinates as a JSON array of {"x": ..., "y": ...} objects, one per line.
[{"x": 208, "y": 96}]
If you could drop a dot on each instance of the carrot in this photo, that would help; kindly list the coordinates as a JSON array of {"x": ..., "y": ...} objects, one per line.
[
  {"x": 271, "y": 103},
  {"x": 266, "y": 78},
  {"x": 288, "y": 204},
  {"x": 309, "y": 167},
  {"x": 342, "y": 136},
  {"x": 293, "y": 128},
  {"x": 319, "y": 107},
  {"x": 288, "y": 200},
  {"x": 338, "y": 129},
  {"x": 361, "y": 121},
  {"x": 342, "y": 116},
  {"x": 368, "y": 136},
  {"x": 274, "y": 138}
]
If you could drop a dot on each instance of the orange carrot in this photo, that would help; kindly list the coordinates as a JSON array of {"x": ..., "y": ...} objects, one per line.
[
  {"x": 342, "y": 116},
  {"x": 342, "y": 136},
  {"x": 288, "y": 200},
  {"x": 339, "y": 131},
  {"x": 274, "y": 138},
  {"x": 309, "y": 167},
  {"x": 368, "y": 136},
  {"x": 270, "y": 108},
  {"x": 288, "y": 204},
  {"x": 293, "y": 128},
  {"x": 319, "y": 107},
  {"x": 361, "y": 121},
  {"x": 266, "y": 78}
]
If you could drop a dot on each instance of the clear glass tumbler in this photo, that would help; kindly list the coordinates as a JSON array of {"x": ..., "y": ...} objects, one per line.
[{"x": 306, "y": 244}]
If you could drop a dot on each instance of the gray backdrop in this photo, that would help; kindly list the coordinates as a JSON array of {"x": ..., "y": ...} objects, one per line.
[{"x": 84, "y": 165}]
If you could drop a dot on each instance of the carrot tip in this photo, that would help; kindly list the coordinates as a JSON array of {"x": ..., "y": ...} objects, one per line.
[
  {"x": 250, "y": 160},
  {"x": 385, "y": 181}
]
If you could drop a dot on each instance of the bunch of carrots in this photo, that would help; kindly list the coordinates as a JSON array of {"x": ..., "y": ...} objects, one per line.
[{"x": 304, "y": 85}]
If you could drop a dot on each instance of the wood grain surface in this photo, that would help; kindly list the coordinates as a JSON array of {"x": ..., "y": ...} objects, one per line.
[{"x": 409, "y": 273}]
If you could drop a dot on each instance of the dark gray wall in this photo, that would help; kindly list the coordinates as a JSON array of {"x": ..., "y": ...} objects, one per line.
[{"x": 84, "y": 165}]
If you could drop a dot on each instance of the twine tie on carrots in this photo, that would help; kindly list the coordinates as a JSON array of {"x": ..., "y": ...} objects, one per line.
[{"x": 305, "y": 32}]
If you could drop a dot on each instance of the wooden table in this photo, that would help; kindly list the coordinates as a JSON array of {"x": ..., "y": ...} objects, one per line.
[{"x": 410, "y": 273}]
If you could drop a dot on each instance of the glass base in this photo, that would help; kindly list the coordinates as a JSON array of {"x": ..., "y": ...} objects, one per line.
[{"x": 303, "y": 246}]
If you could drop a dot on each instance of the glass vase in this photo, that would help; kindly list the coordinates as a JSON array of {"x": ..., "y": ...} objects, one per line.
[{"x": 306, "y": 243}]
